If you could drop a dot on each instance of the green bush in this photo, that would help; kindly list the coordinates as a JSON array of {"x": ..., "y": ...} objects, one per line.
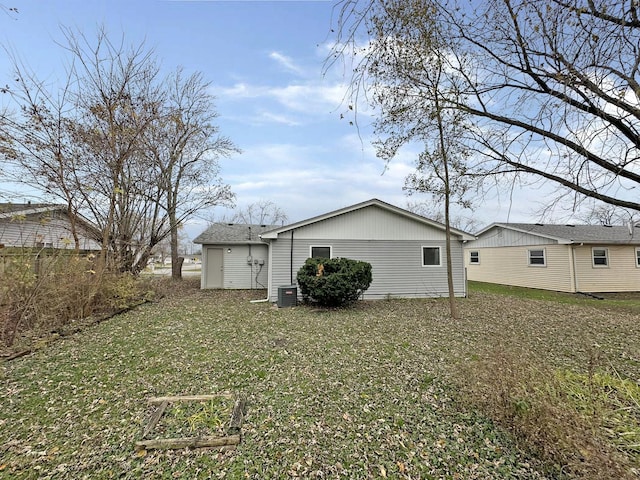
[{"x": 333, "y": 282}]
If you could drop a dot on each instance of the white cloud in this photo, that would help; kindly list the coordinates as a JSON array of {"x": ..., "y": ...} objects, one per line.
[
  {"x": 310, "y": 98},
  {"x": 239, "y": 90},
  {"x": 267, "y": 117},
  {"x": 286, "y": 62},
  {"x": 315, "y": 178}
]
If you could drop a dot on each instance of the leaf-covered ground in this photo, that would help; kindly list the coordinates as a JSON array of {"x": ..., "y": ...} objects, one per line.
[{"x": 366, "y": 392}]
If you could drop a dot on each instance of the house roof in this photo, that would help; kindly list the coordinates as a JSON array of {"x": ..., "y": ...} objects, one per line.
[
  {"x": 575, "y": 233},
  {"x": 229, "y": 233},
  {"x": 11, "y": 210},
  {"x": 8, "y": 210},
  {"x": 373, "y": 202}
]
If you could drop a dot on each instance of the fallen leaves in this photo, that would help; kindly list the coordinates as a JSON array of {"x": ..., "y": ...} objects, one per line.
[{"x": 357, "y": 393}]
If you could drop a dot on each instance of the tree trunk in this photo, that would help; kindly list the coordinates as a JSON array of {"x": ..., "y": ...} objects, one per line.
[
  {"x": 453, "y": 307},
  {"x": 176, "y": 262}
]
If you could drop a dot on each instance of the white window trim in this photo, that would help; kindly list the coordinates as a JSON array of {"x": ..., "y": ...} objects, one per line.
[
  {"x": 606, "y": 256},
  {"x": 478, "y": 257},
  {"x": 330, "y": 247},
  {"x": 544, "y": 257},
  {"x": 439, "y": 256},
  {"x": 637, "y": 257}
]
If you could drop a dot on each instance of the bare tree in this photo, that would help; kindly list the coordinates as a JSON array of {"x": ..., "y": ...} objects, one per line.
[
  {"x": 115, "y": 99},
  {"x": 433, "y": 210},
  {"x": 603, "y": 214},
  {"x": 184, "y": 146},
  {"x": 412, "y": 73},
  {"x": 552, "y": 86},
  {"x": 37, "y": 141},
  {"x": 117, "y": 143},
  {"x": 262, "y": 212}
]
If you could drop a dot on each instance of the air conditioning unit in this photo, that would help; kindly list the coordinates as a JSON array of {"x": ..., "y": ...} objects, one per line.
[{"x": 287, "y": 296}]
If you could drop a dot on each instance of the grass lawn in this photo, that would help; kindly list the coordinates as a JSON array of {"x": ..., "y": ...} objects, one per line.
[{"x": 367, "y": 392}]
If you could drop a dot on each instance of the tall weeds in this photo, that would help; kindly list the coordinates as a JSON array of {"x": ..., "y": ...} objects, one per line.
[
  {"x": 585, "y": 425},
  {"x": 43, "y": 292}
]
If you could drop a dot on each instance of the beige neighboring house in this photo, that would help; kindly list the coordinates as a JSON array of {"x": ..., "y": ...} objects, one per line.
[
  {"x": 564, "y": 258},
  {"x": 33, "y": 225}
]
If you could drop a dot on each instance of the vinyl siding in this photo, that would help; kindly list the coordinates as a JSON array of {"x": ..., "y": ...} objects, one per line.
[
  {"x": 32, "y": 231},
  {"x": 396, "y": 265},
  {"x": 371, "y": 223},
  {"x": 621, "y": 275},
  {"x": 238, "y": 274},
  {"x": 510, "y": 266},
  {"x": 504, "y": 237}
]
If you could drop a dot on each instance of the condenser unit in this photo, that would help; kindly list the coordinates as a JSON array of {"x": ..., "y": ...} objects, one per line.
[{"x": 287, "y": 296}]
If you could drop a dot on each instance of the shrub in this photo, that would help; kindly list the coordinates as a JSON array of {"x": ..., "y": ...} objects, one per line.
[
  {"x": 43, "y": 292},
  {"x": 333, "y": 282}
]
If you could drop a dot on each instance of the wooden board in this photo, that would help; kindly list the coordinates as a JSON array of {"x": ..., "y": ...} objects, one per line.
[
  {"x": 188, "y": 398},
  {"x": 188, "y": 442},
  {"x": 237, "y": 415},
  {"x": 155, "y": 418}
]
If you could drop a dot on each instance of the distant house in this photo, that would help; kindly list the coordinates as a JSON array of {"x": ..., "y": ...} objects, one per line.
[
  {"x": 234, "y": 256},
  {"x": 30, "y": 225},
  {"x": 406, "y": 251},
  {"x": 564, "y": 258}
]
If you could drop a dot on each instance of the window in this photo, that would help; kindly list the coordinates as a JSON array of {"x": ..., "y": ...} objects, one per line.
[
  {"x": 537, "y": 258},
  {"x": 321, "y": 251},
  {"x": 600, "y": 257},
  {"x": 637, "y": 257},
  {"x": 474, "y": 256},
  {"x": 430, "y": 256}
]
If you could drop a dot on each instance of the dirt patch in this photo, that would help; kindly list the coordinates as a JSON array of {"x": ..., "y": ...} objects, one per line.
[{"x": 619, "y": 295}]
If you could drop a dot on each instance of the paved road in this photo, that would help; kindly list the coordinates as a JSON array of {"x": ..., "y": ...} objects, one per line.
[{"x": 188, "y": 270}]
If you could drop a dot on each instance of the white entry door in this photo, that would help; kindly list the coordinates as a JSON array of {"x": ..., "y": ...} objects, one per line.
[{"x": 214, "y": 277}]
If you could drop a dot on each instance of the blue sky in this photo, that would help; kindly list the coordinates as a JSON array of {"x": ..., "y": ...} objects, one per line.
[{"x": 265, "y": 62}]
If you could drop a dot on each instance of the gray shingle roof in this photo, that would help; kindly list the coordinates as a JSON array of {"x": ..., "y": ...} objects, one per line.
[
  {"x": 579, "y": 233},
  {"x": 232, "y": 233},
  {"x": 7, "y": 210}
]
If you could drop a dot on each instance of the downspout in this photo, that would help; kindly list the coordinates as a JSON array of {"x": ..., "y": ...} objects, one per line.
[
  {"x": 575, "y": 271},
  {"x": 291, "y": 260},
  {"x": 250, "y": 264},
  {"x": 465, "y": 278}
]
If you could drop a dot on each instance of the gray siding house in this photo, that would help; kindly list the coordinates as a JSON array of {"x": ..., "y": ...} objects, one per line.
[
  {"x": 30, "y": 225},
  {"x": 564, "y": 258},
  {"x": 234, "y": 256},
  {"x": 406, "y": 251}
]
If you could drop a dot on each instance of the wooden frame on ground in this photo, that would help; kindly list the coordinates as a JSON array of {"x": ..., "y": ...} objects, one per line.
[{"x": 227, "y": 442}]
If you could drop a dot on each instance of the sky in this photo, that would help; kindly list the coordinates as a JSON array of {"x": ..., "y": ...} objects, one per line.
[{"x": 276, "y": 101}]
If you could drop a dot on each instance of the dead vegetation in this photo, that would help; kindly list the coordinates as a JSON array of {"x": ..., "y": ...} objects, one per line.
[{"x": 46, "y": 295}]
